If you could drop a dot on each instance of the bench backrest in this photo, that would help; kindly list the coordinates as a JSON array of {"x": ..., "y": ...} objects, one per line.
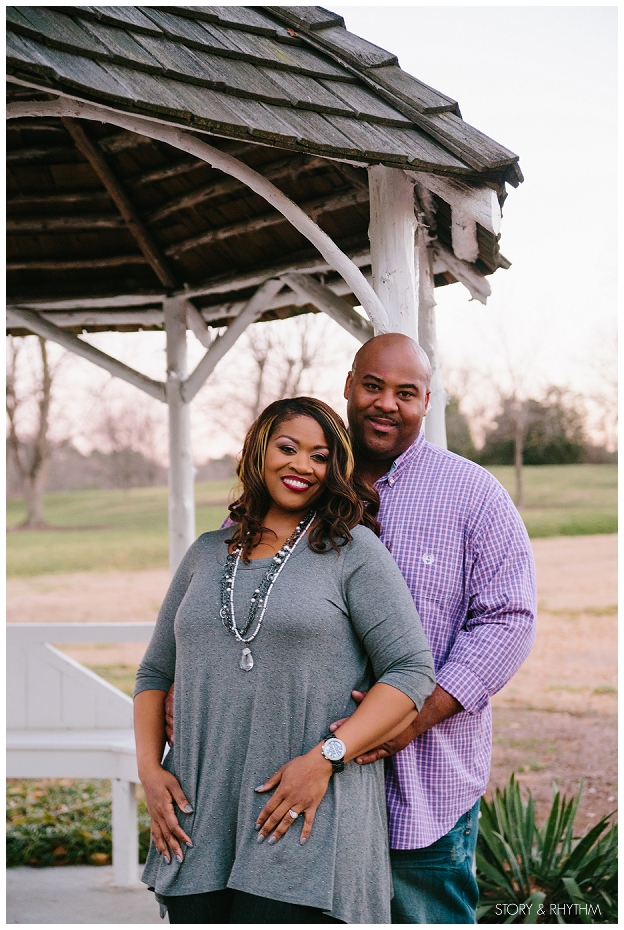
[{"x": 48, "y": 690}]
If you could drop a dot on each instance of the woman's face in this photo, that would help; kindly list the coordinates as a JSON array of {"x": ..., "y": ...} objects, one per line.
[{"x": 295, "y": 466}]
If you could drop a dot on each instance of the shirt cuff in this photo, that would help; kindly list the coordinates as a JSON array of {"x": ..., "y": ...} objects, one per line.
[{"x": 464, "y": 685}]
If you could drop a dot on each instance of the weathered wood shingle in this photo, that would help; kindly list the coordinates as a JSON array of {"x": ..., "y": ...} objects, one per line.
[
  {"x": 153, "y": 59},
  {"x": 286, "y": 89}
]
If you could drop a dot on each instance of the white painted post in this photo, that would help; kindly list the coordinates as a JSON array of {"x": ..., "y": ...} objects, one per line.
[
  {"x": 435, "y": 425},
  {"x": 125, "y": 833},
  {"x": 181, "y": 479},
  {"x": 391, "y": 233}
]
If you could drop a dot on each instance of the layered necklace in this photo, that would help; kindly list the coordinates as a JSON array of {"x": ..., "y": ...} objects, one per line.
[{"x": 260, "y": 597}]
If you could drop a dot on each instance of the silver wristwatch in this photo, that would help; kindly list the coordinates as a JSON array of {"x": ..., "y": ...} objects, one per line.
[{"x": 334, "y": 750}]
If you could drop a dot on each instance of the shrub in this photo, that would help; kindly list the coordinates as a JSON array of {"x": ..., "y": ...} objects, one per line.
[
  {"x": 531, "y": 874},
  {"x": 63, "y": 822}
]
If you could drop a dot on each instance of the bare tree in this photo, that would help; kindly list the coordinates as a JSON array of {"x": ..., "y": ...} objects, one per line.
[
  {"x": 273, "y": 361},
  {"x": 30, "y": 449},
  {"x": 130, "y": 431}
]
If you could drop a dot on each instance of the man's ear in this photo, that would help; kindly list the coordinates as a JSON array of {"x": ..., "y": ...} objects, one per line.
[
  {"x": 427, "y": 399},
  {"x": 348, "y": 383}
]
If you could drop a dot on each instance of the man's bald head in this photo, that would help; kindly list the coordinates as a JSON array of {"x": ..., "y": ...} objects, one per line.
[{"x": 403, "y": 348}]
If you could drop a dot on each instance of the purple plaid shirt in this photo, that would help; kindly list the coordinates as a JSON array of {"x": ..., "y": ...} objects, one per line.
[{"x": 465, "y": 555}]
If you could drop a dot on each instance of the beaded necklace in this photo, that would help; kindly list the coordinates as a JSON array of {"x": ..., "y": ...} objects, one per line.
[{"x": 260, "y": 596}]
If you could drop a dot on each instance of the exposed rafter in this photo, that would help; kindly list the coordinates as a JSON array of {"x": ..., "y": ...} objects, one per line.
[
  {"x": 289, "y": 167},
  {"x": 77, "y": 264},
  {"x": 325, "y": 204},
  {"x": 183, "y": 140},
  {"x": 41, "y": 224},
  {"x": 54, "y": 200},
  {"x": 144, "y": 240}
]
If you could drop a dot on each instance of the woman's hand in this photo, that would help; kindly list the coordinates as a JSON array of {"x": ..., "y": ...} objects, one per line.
[
  {"x": 300, "y": 786},
  {"x": 162, "y": 791}
]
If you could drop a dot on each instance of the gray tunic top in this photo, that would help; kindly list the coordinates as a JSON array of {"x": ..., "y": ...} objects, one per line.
[{"x": 334, "y": 622}]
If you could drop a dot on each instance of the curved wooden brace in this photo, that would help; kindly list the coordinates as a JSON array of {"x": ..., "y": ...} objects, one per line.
[{"x": 65, "y": 106}]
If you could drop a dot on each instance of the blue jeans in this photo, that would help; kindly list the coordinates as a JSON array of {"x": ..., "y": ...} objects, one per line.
[{"x": 436, "y": 885}]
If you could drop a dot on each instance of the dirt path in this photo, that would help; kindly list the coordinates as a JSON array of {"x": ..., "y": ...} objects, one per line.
[{"x": 556, "y": 719}]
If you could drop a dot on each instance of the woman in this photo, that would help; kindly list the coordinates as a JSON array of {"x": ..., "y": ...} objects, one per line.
[{"x": 267, "y": 627}]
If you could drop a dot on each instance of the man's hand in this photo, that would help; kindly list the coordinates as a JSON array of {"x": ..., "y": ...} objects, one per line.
[
  {"x": 169, "y": 715},
  {"x": 438, "y": 706}
]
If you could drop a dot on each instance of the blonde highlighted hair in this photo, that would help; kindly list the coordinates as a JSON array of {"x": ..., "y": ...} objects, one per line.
[{"x": 345, "y": 502}]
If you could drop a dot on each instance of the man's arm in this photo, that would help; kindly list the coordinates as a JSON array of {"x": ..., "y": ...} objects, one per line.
[{"x": 499, "y": 629}]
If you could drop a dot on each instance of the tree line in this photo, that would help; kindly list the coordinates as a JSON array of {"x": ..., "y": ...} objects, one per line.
[{"x": 127, "y": 437}]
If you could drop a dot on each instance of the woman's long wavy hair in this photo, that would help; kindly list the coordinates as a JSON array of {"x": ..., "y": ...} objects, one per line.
[{"x": 345, "y": 502}]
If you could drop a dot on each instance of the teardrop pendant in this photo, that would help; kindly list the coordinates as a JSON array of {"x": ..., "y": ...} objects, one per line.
[{"x": 246, "y": 660}]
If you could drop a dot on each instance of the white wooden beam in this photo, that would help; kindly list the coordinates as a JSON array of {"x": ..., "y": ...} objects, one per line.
[
  {"x": 121, "y": 301},
  {"x": 464, "y": 235},
  {"x": 435, "y": 426},
  {"x": 181, "y": 474},
  {"x": 36, "y": 324},
  {"x": 125, "y": 833},
  {"x": 310, "y": 290},
  {"x": 196, "y": 324},
  {"x": 74, "y": 318},
  {"x": 222, "y": 344},
  {"x": 65, "y": 107},
  {"x": 391, "y": 233},
  {"x": 477, "y": 284},
  {"x": 480, "y": 204},
  {"x": 151, "y": 316}
]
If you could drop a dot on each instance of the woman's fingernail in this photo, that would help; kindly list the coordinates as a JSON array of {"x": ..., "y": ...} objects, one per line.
[
  {"x": 272, "y": 841},
  {"x": 188, "y": 843},
  {"x": 257, "y": 826},
  {"x": 179, "y": 858},
  {"x": 188, "y": 809},
  {"x": 166, "y": 858},
  {"x": 260, "y": 838},
  {"x": 260, "y": 787},
  {"x": 303, "y": 840}
]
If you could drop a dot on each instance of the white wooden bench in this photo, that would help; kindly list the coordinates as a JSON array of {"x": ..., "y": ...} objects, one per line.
[{"x": 64, "y": 721}]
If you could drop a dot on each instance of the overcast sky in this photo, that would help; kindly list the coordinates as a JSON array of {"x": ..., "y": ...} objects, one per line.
[{"x": 542, "y": 82}]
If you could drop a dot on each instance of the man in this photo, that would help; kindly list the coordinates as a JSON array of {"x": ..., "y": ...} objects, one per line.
[
  {"x": 466, "y": 557},
  {"x": 464, "y": 552}
]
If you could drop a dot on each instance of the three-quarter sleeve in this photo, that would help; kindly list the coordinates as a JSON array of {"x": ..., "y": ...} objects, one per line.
[
  {"x": 156, "y": 671},
  {"x": 385, "y": 619}
]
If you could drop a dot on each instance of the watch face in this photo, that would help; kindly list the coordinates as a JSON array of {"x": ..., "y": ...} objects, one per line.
[{"x": 334, "y": 749}]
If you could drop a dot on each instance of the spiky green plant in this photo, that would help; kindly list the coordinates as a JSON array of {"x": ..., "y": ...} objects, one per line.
[{"x": 531, "y": 874}]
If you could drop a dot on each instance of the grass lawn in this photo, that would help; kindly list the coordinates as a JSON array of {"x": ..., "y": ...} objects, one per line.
[
  {"x": 566, "y": 500},
  {"x": 106, "y": 530},
  {"x": 127, "y": 530}
]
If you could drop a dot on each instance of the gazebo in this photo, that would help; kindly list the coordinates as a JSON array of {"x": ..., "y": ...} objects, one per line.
[{"x": 204, "y": 168}]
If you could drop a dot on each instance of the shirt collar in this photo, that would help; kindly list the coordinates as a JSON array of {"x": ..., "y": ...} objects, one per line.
[{"x": 403, "y": 460}]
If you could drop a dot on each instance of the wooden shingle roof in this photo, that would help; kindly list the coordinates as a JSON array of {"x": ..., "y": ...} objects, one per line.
[{"x": 286, "y": 89}]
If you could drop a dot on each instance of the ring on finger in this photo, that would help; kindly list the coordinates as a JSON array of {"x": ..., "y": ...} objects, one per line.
[{"x": 293, "y": 814}]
